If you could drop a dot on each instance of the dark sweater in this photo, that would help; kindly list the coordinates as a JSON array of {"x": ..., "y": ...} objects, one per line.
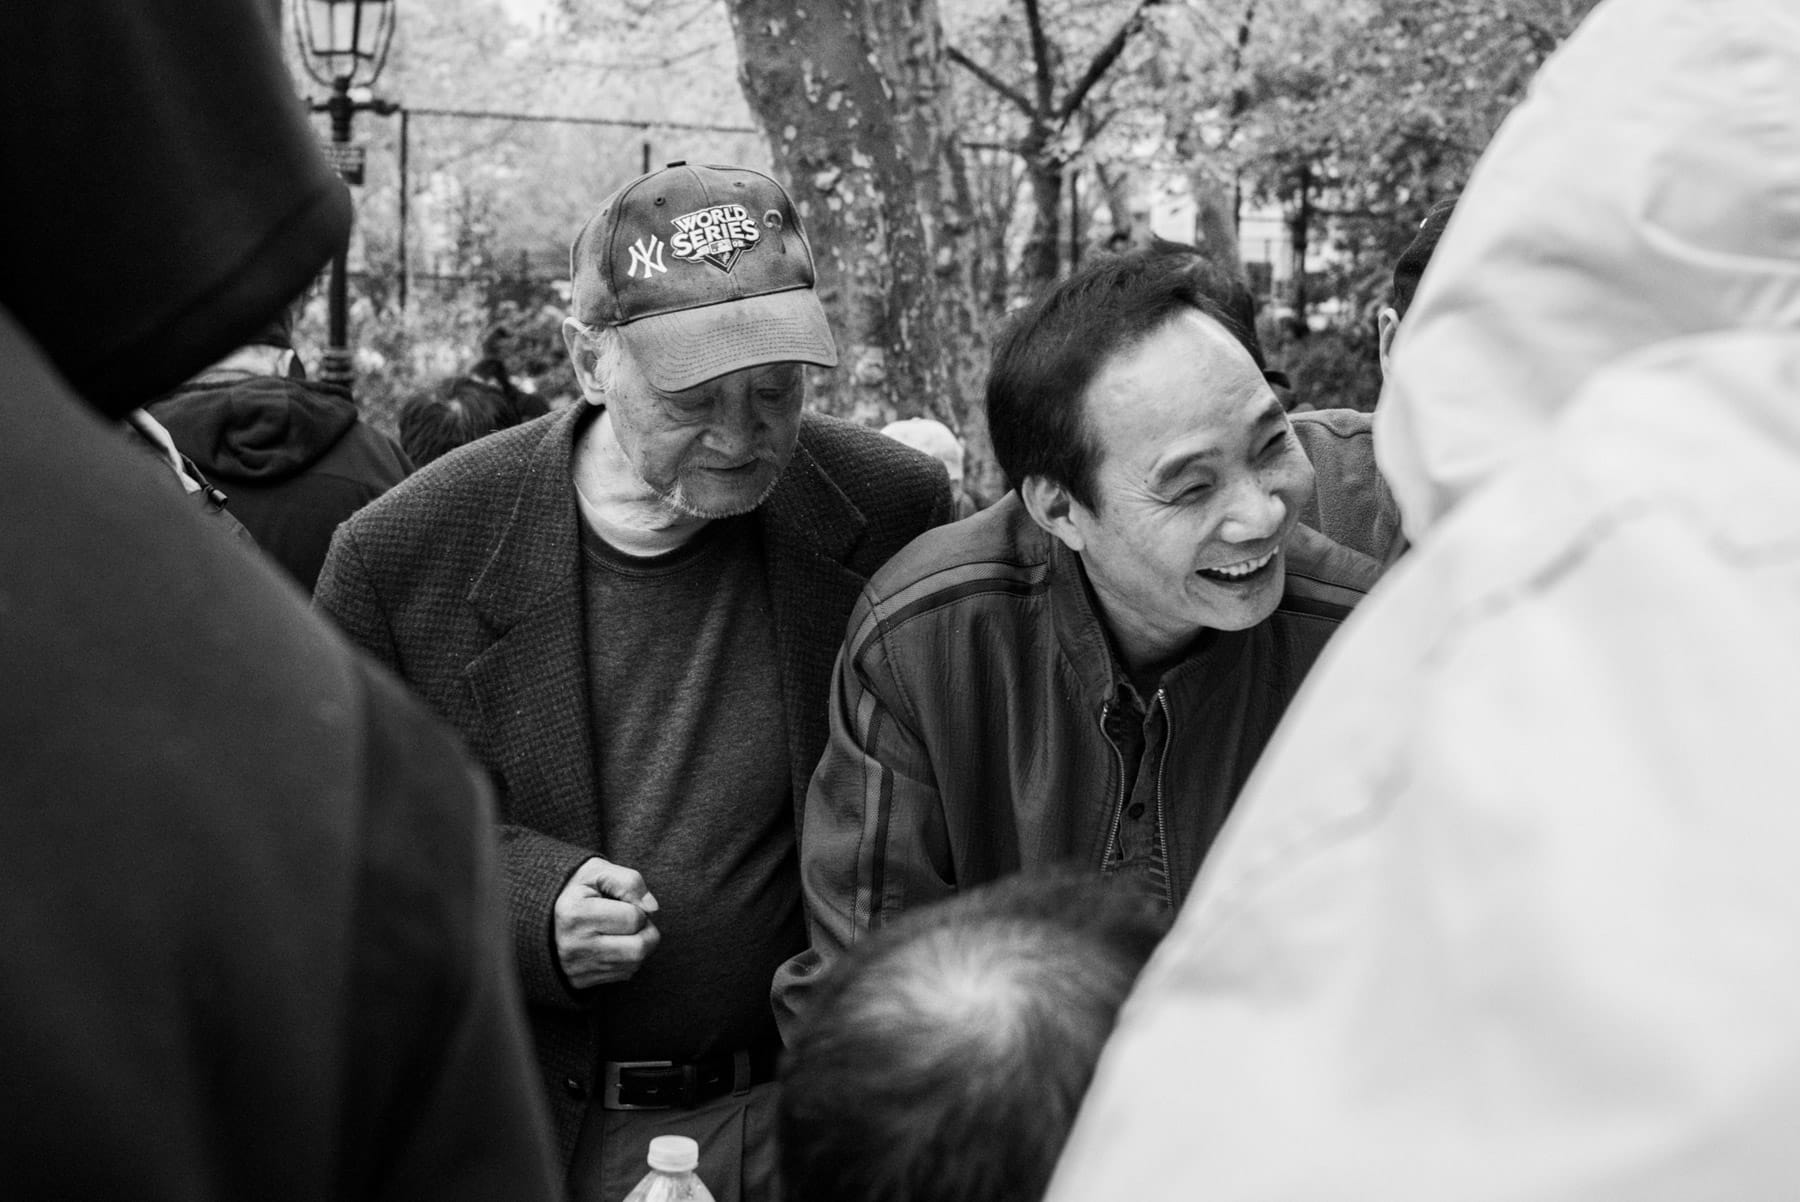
[{"x": 690, "y": 750}]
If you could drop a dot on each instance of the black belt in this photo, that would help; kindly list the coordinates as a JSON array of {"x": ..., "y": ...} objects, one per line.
[{"x": 665, "y": 1085}]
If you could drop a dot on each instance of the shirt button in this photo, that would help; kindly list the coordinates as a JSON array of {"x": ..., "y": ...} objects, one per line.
[
  {"x": 1136, "y": 810},
  {"x": 574, "y": 1088}
]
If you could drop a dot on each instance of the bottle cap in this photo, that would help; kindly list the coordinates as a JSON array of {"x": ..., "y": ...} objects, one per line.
[{"x": 674, "y": 1154}]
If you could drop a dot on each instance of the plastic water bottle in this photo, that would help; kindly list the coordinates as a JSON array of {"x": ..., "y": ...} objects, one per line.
[{"x": 673, "y": 1159}]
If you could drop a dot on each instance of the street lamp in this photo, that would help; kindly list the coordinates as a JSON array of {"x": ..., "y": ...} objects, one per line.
[{"x": 344, "y": 45}]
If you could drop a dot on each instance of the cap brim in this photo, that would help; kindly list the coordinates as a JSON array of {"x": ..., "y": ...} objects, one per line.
[{"x": 676, "y": 351}]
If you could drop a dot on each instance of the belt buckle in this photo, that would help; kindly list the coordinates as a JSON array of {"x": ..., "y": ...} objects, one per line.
[{"x": 609, "y": 1084}]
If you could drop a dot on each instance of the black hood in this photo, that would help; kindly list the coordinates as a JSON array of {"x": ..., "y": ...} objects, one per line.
[
  {"x": 261, "y": 429},
  {"x": 155, "y": 216}
]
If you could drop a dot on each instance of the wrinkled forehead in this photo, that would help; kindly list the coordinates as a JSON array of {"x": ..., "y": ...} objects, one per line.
[{"x": 1189, "y": 380}]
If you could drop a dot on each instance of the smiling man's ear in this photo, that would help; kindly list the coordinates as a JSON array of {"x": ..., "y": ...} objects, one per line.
[{"x": 1051, "y": 507}]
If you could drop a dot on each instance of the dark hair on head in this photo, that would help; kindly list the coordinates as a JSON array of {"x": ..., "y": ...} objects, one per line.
[
  {"x": 1224, "y": 286},
  {"x": 1049, "y": 354},
  {"x": 946, "y": 1057},
  {"x": 450, "y": 414},
  {"x": 524, "y": 405},
  {"x": 1412, "y": 262}
]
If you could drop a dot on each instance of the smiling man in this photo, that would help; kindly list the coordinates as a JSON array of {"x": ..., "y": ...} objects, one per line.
[
  {"x": 1088, "y": 670},
  {"x": 630, "y": 610}
]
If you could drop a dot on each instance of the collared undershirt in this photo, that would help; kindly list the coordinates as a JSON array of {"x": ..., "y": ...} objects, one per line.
[
  {"x": 1141, "y": 740},
  {"x": 692, "y": 764},
  {"x": 1138, "y": 733}
]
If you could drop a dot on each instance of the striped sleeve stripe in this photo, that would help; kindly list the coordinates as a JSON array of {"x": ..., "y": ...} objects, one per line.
[
  {"x": 868, "y": 903},
  {"x": 1318, "y": 599},
  {"x": 873, "y": 721},
  {"x": 946, "y": 588}
]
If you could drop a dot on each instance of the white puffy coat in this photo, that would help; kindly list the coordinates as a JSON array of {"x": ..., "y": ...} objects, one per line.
[{"x": 1511, "y": 909}]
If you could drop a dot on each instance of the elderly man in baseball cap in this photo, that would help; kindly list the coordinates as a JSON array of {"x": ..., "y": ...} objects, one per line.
[{"x": 631, "y": 608}]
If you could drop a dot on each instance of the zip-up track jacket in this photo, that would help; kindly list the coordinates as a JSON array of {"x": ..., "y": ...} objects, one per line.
[{"x": 970, "y": 711}]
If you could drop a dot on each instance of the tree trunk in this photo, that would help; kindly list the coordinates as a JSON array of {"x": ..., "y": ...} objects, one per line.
[
  {"x": 1216, "y": 218},
  {"x": 849, "y": 98},
  {"x": 1116, "y": 184},
  {"x": 1041, "y": 262},
  {"x": 1299, "y": 236},
  {"x": 909, "y": 43}
]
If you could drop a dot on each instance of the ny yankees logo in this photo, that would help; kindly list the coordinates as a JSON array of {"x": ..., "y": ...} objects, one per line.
[{"x": 646, "y": 253}]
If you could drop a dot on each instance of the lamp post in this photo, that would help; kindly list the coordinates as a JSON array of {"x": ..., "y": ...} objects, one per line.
[{"x": 344, "y": 45}]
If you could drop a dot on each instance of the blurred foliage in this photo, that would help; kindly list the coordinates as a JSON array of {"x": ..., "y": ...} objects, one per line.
[
  {"x": 1358, "y": 116},
  {"x": 1348, "y": 118},
  {"x": 1337, "y": 367},
  {"x": 493, "y": 202},
  {"x": 486, "y": 308}
]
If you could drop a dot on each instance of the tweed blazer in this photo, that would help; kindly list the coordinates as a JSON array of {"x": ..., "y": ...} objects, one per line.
[{"x": 466, "y": 580}]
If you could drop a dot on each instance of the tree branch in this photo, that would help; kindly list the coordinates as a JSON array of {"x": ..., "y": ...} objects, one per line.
[
  {"x": 1006, "y": 91},
  {"x": 1103, "y": 61},
  {"x": 1042, "y": 69},
  {"x": 1240, "y": 94},
  {"x": 644, "y": 63},
  {"x": 1095, "y": 126}
]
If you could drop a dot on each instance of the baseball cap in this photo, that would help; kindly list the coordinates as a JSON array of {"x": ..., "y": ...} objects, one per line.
[{"x": 704, "y": 270}]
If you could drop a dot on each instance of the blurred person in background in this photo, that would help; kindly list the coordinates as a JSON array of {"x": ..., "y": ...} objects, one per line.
[
  {"x": 522, "y": 406},
  {"x": 1409, "y": 268},
  {"x": 449, "y": 414},
  {"x": 292, "y": 455},
  {"x": 935, "y": 439}
]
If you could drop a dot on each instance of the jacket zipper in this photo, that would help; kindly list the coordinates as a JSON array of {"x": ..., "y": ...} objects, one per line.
[
  {"x": 1118, "y": 814},
  {"x": 1162, "y": 826}
]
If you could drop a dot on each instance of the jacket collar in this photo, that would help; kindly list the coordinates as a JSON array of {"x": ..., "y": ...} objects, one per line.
[
  {"x": 1080, "y": 629},
  {"x": 810, "y": 530},
  {"x": 810, "y": 512},
  {"x": 537, "y": 550}
]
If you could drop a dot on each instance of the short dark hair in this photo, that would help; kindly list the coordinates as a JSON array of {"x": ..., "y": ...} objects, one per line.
[
  {"x": 1224, "y": 285},
  {"x": 449, "y": 414},
  {"x": 1411, "y": 264},
  {"x": 1049, "y": 354},
  {"x": 946, "y": 1056}
]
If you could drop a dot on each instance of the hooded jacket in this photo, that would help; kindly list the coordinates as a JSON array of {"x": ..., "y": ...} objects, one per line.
[
  {"x": 1509, "y": 909},
  {"x": 292, "y": 455},
  {"x": 249, "y": 925}
]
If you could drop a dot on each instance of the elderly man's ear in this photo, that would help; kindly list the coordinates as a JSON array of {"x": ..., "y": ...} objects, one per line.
[
  {"x": 585, "y": 356},
  {"x": 1051, "y": 507},
  {"x": 1387, "y": 325}
]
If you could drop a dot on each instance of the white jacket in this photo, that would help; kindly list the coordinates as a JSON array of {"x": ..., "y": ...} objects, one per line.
[{"x": 1511, "y": 909}]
